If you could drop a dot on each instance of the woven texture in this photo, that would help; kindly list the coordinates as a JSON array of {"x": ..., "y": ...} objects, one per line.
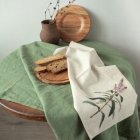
[{"x": 19, "y": 84}]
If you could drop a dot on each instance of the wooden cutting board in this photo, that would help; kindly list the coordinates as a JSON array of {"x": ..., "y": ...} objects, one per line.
[
  {"x": 73, "y": 23},
  {"x": 50, "y": 78}
]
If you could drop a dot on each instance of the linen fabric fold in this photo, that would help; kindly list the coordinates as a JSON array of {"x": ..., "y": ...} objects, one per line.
[{"x": 102, "y": 95}]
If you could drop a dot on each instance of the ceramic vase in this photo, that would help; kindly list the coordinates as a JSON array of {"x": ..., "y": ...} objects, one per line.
[{"x": 49, "y": 32}]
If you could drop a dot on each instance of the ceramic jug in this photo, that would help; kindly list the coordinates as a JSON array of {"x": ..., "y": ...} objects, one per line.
[{"x": 49, "y": 32}]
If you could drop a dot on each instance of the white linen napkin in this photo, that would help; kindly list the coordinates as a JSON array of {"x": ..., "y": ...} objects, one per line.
[{"x": 102, "y": 95}]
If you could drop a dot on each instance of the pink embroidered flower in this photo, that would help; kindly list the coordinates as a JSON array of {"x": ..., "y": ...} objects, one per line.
[{"x": 119, "y": 88}]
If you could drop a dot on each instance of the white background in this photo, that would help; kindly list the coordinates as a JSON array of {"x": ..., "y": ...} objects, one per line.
[{"x": 114, "y": 22}]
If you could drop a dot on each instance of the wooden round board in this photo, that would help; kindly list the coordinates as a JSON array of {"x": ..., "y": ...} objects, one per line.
[
  {"x": 50, "y": 78},
  {"x": 73, "y": 23}
]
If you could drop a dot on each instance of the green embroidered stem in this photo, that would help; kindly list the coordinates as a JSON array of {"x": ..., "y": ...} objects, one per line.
[
  {"x": 106, "y": 97},
  {"x": 103, "y": 105}
]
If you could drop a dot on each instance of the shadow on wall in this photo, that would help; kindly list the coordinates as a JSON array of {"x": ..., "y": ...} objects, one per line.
[{"x": 96, "y": 27}]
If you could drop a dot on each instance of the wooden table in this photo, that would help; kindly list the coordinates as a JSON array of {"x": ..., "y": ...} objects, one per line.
[{"x": 22, "y": 111}]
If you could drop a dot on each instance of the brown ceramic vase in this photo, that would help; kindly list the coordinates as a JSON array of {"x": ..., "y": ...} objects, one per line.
[{"x": 49, "y": 32}]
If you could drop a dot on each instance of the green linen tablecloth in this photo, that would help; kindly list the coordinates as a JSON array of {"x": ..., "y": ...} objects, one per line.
[{"x": 19, "y": 84}]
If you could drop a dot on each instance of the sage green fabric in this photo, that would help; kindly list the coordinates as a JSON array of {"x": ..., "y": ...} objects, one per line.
[{"x": 19, "y": 84}]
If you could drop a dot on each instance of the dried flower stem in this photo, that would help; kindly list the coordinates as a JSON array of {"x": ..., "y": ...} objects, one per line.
[
  {"x": 55, "y": 9},
  {"x": 48, "y": 9}
]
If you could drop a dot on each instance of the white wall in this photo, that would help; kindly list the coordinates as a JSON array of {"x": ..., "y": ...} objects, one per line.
[{"x": 114, "y": 22}]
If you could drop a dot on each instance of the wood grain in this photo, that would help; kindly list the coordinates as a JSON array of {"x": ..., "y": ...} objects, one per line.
[
  {"x": 22, "y": 111},
  {"x": 50, "y": 78},
  {"x": 15, "y": 128},
  {"x": 73, "y": 23}
]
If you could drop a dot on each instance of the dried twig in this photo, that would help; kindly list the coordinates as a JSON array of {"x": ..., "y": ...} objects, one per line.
[
  {"x": 55, "y": 9},
  {"x": 48, "y": 9}
]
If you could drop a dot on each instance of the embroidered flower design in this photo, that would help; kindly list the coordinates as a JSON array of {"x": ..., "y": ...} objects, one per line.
[
  {"x": 119, "y": 88},
  {"x": 108, "y": 99}
]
